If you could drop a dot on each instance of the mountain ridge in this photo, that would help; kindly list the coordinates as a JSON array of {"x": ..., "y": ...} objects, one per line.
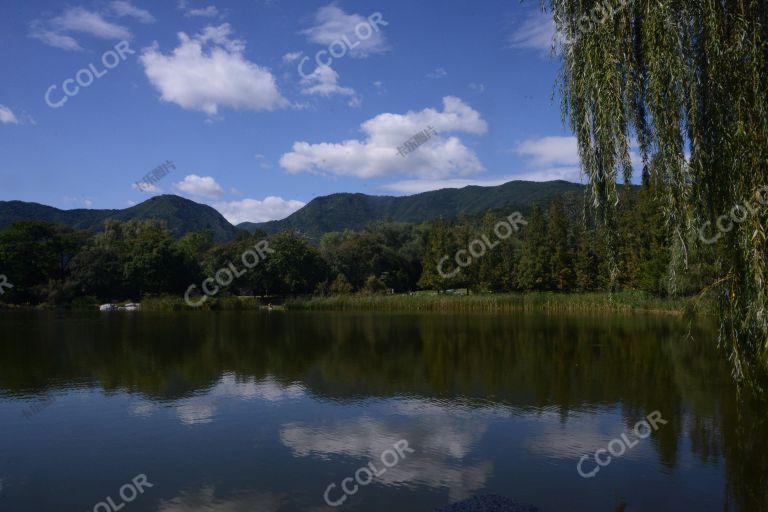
[
  {"x": 333, "y": 212},
  {"x": 347, "y": 210}
]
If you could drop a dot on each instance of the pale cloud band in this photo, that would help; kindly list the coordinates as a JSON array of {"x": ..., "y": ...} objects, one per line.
[{"x": 57, "y": 31}]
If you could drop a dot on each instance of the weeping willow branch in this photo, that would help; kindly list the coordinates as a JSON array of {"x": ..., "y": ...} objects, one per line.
[{"x": 687, "y": 80}]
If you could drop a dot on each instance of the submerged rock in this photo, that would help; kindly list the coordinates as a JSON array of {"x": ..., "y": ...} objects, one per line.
[{"x": 488, "y": 503}]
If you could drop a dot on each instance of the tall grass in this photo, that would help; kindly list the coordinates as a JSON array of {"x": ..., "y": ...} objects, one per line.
[
  {"x": 174, "y": 303},
  {"x": 584, "y": 302}
]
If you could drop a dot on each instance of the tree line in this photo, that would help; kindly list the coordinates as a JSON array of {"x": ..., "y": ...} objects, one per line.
[{"x": 561, "y": 248}]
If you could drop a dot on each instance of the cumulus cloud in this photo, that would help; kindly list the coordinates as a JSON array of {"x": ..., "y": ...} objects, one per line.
[
  {"x": 333, "y": 24},
  {"x": 537, "y": 32},
  {"x": 55, "y": 31},
  {"x": 204, "y": 188},
  {"x": 7, "y": 116},
  {"x": 208, "y": 71},
  {"x": 323, "y": 81},
  {"x": 254, "y": 210},
  {"x": 442, "y": 156},
  {"x": 125, "y": 8},
  {"x": 199, "y": 186}
]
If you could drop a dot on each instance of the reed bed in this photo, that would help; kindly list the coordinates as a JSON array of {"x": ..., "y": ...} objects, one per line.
[{"x": 552, "y": 302}]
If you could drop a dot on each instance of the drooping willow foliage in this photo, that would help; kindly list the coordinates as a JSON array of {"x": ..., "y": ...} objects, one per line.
[{"x": 688, "y": 81}]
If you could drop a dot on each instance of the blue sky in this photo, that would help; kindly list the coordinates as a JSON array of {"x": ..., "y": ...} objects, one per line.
[{"x": 217, "y": 89}]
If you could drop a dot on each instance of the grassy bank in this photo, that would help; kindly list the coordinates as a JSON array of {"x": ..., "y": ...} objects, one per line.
[{"x": 588, "y": 302}]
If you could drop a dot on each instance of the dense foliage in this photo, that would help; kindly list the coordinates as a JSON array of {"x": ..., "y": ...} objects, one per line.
[
  {"x": 687, "y": 79},
  {"x": 559, "y": 249}
]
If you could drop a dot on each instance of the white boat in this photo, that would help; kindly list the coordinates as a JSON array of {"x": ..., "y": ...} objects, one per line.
[{"x": 107, "y": 307}]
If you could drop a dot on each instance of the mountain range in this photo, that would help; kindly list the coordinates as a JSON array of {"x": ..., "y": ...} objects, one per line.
[{"x": 334, "y": 212}]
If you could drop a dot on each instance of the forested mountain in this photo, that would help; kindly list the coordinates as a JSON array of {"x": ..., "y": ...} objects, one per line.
[
  {"x": 337, "y": 212},
  {"x": 181, "y": 216}
]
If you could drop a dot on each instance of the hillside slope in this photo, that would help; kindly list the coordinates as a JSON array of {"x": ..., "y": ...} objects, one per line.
[
  {"x": 180, "y": 215},
  {"x": 337, "y": 212}
]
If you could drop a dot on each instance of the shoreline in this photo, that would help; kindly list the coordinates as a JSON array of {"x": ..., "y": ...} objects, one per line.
[{"x": 549, "y": 302}]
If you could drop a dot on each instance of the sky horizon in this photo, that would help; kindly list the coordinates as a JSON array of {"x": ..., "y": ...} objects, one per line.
[{"x": 263, "y": 106}]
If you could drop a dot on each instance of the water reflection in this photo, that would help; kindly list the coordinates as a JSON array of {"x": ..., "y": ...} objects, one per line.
[
  {"x": 236, "y": 411},
  {"x": 441, "y": 448}
]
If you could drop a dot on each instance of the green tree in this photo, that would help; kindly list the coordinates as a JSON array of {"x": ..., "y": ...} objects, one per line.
[
  {"x": 436, "y": 268},
  {"x": 293, "y": 266},
  {"x": 560, "y": 251},
  {"x": 533, "y": 271},
  {"x": 36, "y": 256}
]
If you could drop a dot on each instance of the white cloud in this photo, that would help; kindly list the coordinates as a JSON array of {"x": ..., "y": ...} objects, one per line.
[
  {"x": 333, "y": 24},
  {"x": 253, "y": 210},
  {"x": 77, "y": 19},
  {"x": 200, "y": 79},
  {"x": 535, "y": 33},
  {"x": 7, "y": 116},
  {"x": 323, "y": 81},
  {"x": 548, "y": 159},
  {"x": 199, "y": 186},
  {"x": 437, "y": 73},
  {"x": 206, "y": 12},
  {"x": 54, "y": 31},
  {"x": 292, "y": 57},
  {"x": 550, "y": 150},
  {"x": 377, "y": 155},
  {"x": 126, "y": 8},
  {"x": 200, "y": 409},
  {"x": 52, "y": 38},
  {"x": 442, "y": 446}
]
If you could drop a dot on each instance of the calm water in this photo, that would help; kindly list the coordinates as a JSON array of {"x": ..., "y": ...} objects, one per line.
[{"x": 232, "y": 412}]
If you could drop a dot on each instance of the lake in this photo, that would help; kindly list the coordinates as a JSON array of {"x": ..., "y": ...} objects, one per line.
[{"x": 287, "y": 411}]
